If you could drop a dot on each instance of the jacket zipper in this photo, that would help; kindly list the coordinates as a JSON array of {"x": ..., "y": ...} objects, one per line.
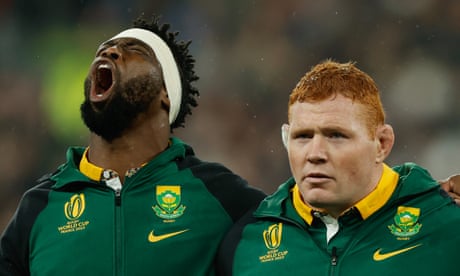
[
  {"x": 333, "y": 260},
  {"x": 116, "y": 186},
  {"x": 334, "y": 256}
]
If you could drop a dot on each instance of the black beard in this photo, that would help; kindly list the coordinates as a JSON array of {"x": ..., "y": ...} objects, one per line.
[{"x": 118, "y": 113}]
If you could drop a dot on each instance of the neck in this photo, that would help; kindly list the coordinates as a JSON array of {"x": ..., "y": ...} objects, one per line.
[
  {"x": 373, "y": 180},
  {"x": 136, "y": 147}
]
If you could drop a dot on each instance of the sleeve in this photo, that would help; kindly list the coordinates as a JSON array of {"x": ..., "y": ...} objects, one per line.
[
  {"x": 232, "y": 191},
  {"x": 14, "y": 241},
  {"x": 227, "y": 249},
  {"x": 14, "y": 244}
]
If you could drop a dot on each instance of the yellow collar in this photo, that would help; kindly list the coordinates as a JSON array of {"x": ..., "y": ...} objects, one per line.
[
  {"x": 366, "y": 206},
  {"x": 92, "y": 171}
]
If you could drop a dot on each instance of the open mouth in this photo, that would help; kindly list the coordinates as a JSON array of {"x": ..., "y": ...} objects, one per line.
[
  {"x": 103, "y": 79},
  {"x": 102, "y": 82}
]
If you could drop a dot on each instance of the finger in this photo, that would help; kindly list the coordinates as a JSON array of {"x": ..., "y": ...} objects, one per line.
[
  {"x": 445, "y": 185},
  {"x": 457, "y": 201},
  {"x": 454, "y": 183}
]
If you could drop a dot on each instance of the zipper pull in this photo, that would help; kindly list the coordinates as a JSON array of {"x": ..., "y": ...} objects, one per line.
[
  {"x": 115, "y": 184},
  {"x": 334, "y": 256},
  {"x": 112, "y": 180}
]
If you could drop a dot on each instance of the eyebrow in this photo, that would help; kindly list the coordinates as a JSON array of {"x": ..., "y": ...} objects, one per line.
[
  {"x": 326, "y": 129},
  {"x": 115, "y": 41}
]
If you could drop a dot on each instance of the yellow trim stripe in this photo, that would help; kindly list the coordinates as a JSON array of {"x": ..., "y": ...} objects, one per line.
[
  {"x": 367, "y": 206},
  {"x": 92, "y": 171},
  {"x": 302, "y": 209},
  {"x": 380, "y": 195}
]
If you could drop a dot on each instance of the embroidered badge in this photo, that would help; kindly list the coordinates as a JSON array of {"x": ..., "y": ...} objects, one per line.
[
  {"x": 73, "y": 209},
  {"x": 272, "y": 239},
  {"x": 168, "y": 203},
  {"x": 406, "y": 222}
]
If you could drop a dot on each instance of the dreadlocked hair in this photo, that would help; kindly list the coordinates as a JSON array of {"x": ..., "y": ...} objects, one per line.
[{"x": 185, "y": 63}]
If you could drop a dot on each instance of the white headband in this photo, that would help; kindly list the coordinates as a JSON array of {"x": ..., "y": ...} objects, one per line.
[{"x": 167, "y": 62}]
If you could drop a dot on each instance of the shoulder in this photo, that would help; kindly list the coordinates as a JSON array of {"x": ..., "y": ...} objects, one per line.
[
  {"x": 15, "y": 239},
  {"x": 233, "y": 192},
  {"x": 227, "y": 249},
  {"x": 412, "y": 172},
  {"x": 35, "y": 199}
]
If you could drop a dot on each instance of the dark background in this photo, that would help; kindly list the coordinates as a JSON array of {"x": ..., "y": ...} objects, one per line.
[{"x": 249, "y": 55}]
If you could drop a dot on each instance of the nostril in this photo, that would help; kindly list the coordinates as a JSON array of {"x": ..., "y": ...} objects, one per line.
[
  {"x": 110, "y": 53},
  {"x": 316, "y": 159}
]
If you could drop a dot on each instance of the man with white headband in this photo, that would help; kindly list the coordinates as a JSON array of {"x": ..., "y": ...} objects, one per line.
[{"x": 136, "y": 201}]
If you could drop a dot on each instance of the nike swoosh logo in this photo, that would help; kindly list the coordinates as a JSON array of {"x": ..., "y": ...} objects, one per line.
[
  {"x": 157, "y": 238},
  {"x": 380, "y": 257}
]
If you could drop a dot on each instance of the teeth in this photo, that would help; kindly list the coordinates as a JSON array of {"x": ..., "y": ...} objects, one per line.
[{"x": 102, "y": 66}]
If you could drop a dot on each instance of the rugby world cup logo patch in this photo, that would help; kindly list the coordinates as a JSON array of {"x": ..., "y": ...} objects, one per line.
[
  {"x": 73, "y": 210},
  {"x": 272, "y": 236},
  {"x": 272, "y": 240},
  {"x": 75, "y": 207}
]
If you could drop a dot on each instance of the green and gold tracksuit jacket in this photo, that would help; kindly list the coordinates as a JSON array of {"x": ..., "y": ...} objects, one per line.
[
  {"x": 406, "y": 226},
  {"x": 167, "y": 219}
]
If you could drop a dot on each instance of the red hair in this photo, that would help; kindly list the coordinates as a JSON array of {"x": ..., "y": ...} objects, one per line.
[{"x": 329, "y": 79}]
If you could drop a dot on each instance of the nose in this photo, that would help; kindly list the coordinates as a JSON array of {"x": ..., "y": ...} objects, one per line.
[
  {"x": 112, "y": 52},
  {"x": 317, "y": 151}
]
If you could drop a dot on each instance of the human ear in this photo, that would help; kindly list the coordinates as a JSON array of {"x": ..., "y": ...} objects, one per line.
[
  {"x": 385, "y": 138},
  {"x": 164, "y": 100},
  {"x": 285, "y": 134}
]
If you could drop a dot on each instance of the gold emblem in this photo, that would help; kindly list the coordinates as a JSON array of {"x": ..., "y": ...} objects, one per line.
[
  {"x": 73, "y": 210},
  {"x": 406, "y": 222},
  {"x": 169, "y": 205},
  {"x": 75, "y": 207},
  {"x": 272, "y": 239},
  {"x": 272, "y": 236}
]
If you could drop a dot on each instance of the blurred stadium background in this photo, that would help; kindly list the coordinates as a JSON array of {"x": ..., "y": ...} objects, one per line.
[{"x": 249, "y": 55}]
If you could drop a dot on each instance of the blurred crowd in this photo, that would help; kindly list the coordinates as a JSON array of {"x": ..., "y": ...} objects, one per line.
[{"x": 249, "y": 55}]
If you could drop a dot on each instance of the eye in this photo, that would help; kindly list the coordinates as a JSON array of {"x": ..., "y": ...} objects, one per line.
[
  {"x": 302, "y": 135},
  {"x": 101, "y": 49},
  {"x": 136, "y": 48},
  {"x": 336, "y": 135}
]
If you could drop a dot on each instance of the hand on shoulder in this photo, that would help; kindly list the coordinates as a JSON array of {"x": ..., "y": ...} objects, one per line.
[{"x": 452, "y": 186}]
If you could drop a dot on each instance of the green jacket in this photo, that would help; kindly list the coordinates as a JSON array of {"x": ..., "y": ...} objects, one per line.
[
  {"x": 275, "y": 240},
  {"x": 168, "y": 219}
]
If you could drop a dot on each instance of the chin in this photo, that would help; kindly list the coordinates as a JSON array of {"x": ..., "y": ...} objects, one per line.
[{"x": 318, "y": 199}]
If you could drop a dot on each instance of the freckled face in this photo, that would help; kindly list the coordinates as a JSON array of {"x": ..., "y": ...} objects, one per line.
[{"x": 331, "y": 154}]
